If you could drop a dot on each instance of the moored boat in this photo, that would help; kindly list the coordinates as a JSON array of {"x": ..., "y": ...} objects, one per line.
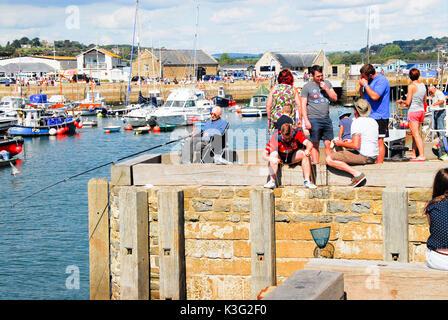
[
  {"x": 183, "y": 106},
  {"x": 12, "y": 145},
  {"x": 37, "y": 122},
  {"x": 222, "y": 99},
  {"x": 257, "y": 104},
  {"x": 111, "y": 128}
]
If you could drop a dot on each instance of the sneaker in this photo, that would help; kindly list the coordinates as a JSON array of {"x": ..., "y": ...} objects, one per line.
[
  {"x": 270, "y": 184},
  {"x": 357, "y": 180},
  {"x": 220, "y": 160},
  {"x": 309, "y": 185}
]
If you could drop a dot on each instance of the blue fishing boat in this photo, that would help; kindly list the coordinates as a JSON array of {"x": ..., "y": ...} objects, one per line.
[{"x": 37, "y": 122}]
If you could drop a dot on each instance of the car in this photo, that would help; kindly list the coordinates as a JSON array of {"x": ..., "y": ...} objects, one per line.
[
  {"x": 3, "y": 80},
  {"x": 81, "y": 78},
  {"x": 208, "y": 77},
  {"x": 136, "y": 78}
]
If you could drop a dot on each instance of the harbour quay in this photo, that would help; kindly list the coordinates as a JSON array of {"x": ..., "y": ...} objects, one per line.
[
  {"x": 160, "y": 230},
  {"x": 115, "y": 93}
]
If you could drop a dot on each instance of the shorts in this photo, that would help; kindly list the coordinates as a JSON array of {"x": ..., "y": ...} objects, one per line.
[
  {"x": 417, "y": 116},
  {"x": 383, "y": 128},
  {"x": 352, "y": 157},
  {"x": 289, "y": 157},
  {"x": 321, "y": 129}
]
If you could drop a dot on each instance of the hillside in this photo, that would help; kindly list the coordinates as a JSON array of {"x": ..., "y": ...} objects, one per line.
[{"x": 422, "y": 49}]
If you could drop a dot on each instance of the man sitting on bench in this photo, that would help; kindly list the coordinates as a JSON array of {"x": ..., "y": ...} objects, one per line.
[
  {"x": 214, "y": 128},
  {"x": 288, "y": 146}
]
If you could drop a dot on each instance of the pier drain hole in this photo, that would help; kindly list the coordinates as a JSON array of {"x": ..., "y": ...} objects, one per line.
[
  {"x": 395, "y": 256},
  {"x": 260, "y": 256},
  {"x": 129, "y": 251},
  {"x": 166, "y": 251}
]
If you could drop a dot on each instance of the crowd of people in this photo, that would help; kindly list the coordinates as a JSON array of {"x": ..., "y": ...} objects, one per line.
[
  {"x": 360, "y": 141},
  {"x": 298, "y": 122}
]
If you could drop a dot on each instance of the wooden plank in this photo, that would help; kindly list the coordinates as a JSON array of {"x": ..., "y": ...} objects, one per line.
[
  {"x": 121, "y": 173},
  {"x": 99, "y": 264},
  {"x": 262, "y": 238},
  {"x": 382, "y": 280},
  {"x": 395, "y": 224},
  {"x": 310, "y": 285},
  {"x": 172, "y": 245},
  {"x": 388, "y": 174},
  {"x": 211, "y": 174},
  {"x": 134, "y": 244}
]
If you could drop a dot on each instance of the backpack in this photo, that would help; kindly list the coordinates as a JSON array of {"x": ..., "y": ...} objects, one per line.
[{"x": 441, "y": 148}]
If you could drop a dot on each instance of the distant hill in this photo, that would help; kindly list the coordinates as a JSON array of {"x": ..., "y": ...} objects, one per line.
[{"x": 238, "y": 55}]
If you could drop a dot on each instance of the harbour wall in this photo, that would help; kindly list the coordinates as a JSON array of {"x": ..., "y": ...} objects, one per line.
[
  {"x": 115, "y": 93},
  {"x": 215, "y": 233}
]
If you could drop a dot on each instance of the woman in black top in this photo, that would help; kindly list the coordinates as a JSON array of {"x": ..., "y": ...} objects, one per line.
[{"x": 437, "y": 213}]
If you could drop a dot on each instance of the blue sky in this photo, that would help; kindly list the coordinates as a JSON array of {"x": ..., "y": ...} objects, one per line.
[{"x": 247, "y": 26}]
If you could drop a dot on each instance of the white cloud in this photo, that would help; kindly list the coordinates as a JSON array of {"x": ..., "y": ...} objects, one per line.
[{"x": 233, "y": 15}]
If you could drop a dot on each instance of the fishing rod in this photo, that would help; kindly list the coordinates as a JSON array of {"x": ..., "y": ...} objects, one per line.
[{"x": 98, "y": 167}]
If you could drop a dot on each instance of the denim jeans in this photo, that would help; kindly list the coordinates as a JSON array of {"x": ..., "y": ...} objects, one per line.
[{"x": 439, "y": 121}]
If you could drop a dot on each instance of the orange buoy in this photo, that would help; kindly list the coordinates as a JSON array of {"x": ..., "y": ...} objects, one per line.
[
  {"x": 107, "y": 131},
  {"x": 128, "y": 127},
  {"x": 156, "y": 129}
]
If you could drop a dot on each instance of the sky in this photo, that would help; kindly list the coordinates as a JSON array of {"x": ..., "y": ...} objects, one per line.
[{"x": 243, "y": 26}]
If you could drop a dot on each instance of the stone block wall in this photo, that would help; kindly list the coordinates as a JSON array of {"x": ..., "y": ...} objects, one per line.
[{"x": 217, "y": 233}]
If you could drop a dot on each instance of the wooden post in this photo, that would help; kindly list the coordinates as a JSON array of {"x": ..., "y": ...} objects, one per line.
[
  {"x": 395, "y": 224},
  {"x": 98, "y": 194},
  {"x": 134, "y": 244},
  {"x": 172, "y": 245},
  {"x": 262, "y": 237}
]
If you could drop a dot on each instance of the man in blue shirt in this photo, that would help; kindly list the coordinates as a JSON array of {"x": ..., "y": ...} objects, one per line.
[
  {"x": 215, "y": 127},
  {"x": 375, "y": 88}
]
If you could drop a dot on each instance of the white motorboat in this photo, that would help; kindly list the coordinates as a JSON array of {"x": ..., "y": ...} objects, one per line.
[
  {"x": 139, "y": 117},
  {"x": 155, "y": 93},
  {"x": 9, "y": 106},
  {"x": 257, "y": 104},
  {"x": 183, "y": 106}
]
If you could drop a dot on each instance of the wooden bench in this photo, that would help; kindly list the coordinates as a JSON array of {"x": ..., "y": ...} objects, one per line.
[
  {"x": 381, "y": 280},
  {"x": 310, "y": 285}
]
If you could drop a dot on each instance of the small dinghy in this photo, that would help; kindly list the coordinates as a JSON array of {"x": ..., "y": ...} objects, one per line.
[{"x": 110, "y": 129}]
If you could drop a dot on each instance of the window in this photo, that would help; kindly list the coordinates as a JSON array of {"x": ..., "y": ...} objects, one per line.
[
  {"x": 146, "y": 67},
  {"x": 267, "y": 68}
]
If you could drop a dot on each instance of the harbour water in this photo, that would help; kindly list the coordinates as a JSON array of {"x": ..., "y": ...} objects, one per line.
[{"x": 44, "y": 239}]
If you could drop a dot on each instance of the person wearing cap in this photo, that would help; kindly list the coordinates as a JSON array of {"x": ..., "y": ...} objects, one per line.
[
  {"x": 288, "y": 146},
  {"x": 362, "y": 149},
  {"x": 375, "y": 88},
  {"x": 345, "y": 124}
]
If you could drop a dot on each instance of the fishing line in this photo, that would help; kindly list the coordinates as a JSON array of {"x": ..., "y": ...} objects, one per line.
[{"x": 98, "y": 167}]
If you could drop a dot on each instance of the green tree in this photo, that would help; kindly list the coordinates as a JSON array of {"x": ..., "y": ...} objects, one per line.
[{"x": 391, "y": 50}]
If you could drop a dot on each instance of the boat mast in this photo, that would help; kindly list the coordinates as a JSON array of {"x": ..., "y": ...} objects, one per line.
[
  {"x": 132, "y": 53},
  {"x": 195, "y": 46},
  {"x": 368, "y": 35}
]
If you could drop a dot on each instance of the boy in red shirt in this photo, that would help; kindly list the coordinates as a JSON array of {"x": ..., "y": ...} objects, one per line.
[{"x": 288, "y": 146}]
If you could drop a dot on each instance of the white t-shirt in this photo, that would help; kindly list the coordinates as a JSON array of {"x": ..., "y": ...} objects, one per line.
[
  {"x": 368, "y": 128},
  {"x": 438, "y": 95}
]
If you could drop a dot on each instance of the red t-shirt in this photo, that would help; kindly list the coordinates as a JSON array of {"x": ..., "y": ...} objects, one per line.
[{"x": 285, "y": 148}]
